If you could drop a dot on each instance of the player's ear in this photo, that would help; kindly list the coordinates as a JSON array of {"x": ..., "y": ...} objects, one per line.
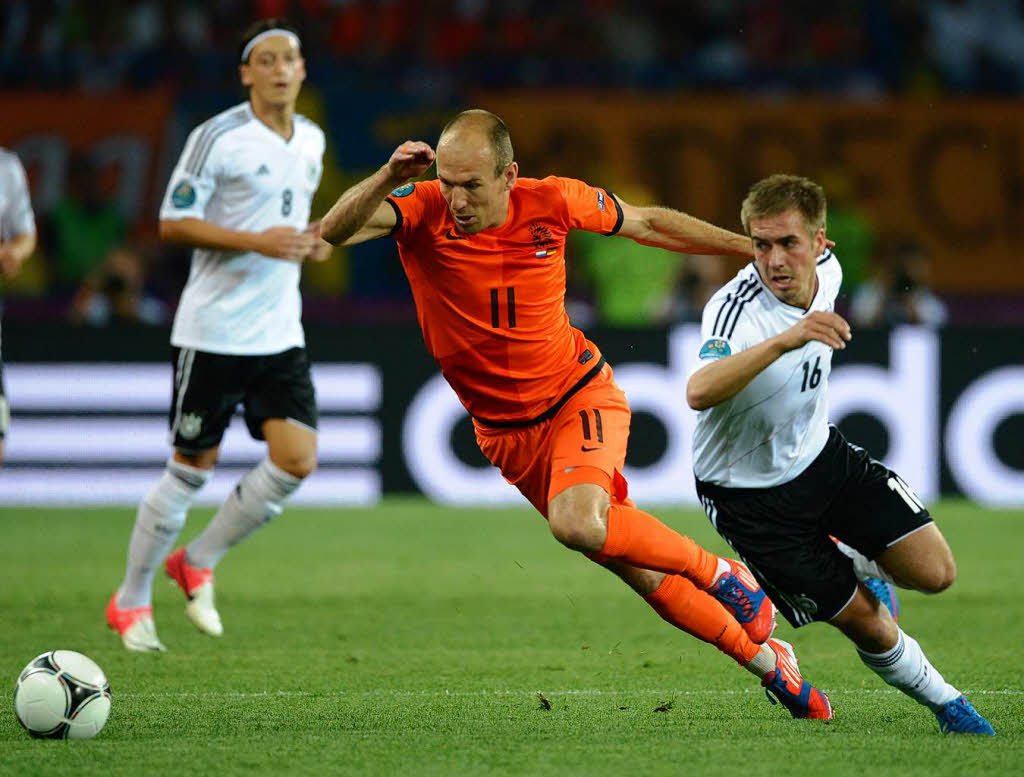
[
  {"x": 819, "y": 242},
  {"x": 244, "y": 75},
  {"x": 511, "y": 174}
]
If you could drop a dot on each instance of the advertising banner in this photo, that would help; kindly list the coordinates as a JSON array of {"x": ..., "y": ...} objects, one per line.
[
  {"x": 121, "y": 134},
  {"x": 948, "y": 175},
  {"x": 89, "y": 418}
]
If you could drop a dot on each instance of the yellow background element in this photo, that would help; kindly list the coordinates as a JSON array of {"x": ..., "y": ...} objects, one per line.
[{"x": 949, "y": 174}]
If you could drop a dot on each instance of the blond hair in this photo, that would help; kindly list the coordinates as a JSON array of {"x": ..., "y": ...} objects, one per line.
[{"x": 779, "y": 193}]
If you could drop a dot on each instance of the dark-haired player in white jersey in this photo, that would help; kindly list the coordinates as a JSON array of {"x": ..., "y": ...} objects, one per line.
[
  {"x": 778, "y": 482},
  {"x": 241, "y": 194},
  {"x": 17, "y": 242}
]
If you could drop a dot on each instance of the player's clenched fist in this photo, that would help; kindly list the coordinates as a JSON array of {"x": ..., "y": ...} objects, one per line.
[
  {"x": 410, "y": 160},
  {"x": 829, "y": 328}
]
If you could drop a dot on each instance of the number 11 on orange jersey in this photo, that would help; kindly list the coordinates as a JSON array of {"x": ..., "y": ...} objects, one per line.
[{"x": 510, "y": 304}]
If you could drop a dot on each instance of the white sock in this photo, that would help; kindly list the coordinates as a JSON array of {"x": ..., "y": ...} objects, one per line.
[
  {"x": 158, "y": 522},
  {"x": 256, "y": 499},
  {"x": 723, "y": 567},
  {"x": 863, "y": 567},
  {"x": 762, "y": 663},
  {"x": 906, "y": 667}
]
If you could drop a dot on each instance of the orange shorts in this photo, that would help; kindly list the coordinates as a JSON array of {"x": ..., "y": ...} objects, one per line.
[{"x": 585, "y": 442}]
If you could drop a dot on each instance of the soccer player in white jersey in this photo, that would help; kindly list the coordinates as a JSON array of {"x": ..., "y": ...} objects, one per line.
[
  {"x": 241, "y": 194},
  {"x": 17, "y": 242},
  {"x": 778, "y": 482}
]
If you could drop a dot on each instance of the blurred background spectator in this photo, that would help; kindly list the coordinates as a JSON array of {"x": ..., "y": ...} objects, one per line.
[
  {"x": 83, "y": 228},
  {"x": 376, "y": 78},
  {"x": 899, "y": 292},
  {"x": 115, "y": 292},
  {"x": 848, "y": 226}
]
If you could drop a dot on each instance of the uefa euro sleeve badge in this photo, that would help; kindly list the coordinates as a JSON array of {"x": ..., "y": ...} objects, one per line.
[
  {"x": 183, "y": 196},
  {"x": 715, "y": 349}
]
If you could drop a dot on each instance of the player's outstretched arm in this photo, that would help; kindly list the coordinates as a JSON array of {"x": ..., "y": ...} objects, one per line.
[
  {"x": 283, "y": 242},
  {"x": 677, "y": 231},
  {"x": 360, "y": 214},
  {"x": 725, "y": 378}
]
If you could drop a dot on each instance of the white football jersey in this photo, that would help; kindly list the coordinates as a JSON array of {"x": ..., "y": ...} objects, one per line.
[
  {"x": 774, "y": 428},
  {"x": 237, "y": 173},
  {"x": 16, "y": 216}
]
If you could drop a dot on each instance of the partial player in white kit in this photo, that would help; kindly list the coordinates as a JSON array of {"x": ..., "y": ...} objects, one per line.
[
  {"x": 779, "y": 483},
  {"x": 241, "y": 194},
  {"x": 17, "y": 242}
]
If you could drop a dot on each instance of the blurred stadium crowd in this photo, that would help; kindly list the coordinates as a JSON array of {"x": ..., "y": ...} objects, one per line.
[
  {"x": 866, "y": 47},
  {"x": 95, "y": 266}
]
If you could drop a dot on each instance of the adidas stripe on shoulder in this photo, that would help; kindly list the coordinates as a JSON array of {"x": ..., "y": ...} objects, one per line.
[
  {"x": 208, "y": 135},
  {"x": 732, "y": 307}
]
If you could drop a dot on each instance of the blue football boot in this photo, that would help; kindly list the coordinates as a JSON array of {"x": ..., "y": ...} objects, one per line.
[
  {"x": 960, "y": 717},
  {"x": 885, "y": 593}
]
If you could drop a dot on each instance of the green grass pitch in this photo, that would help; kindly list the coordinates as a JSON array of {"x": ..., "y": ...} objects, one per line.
[{"x": 411, "y": 639}]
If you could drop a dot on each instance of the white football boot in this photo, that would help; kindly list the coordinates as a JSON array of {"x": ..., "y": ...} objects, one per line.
[
  {"x": 197, "y": 585},
  {"x": 136, "y": 627}
]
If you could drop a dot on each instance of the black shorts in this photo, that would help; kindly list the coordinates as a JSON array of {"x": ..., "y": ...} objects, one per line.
[
  {"x": 209, "y": 386},
  {"x": 5, "y": 409},
  {"x": 782, "y": 533}
]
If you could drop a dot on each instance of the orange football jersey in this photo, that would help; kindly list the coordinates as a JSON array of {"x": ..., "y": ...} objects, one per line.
[{"x": 492, "y": 305}]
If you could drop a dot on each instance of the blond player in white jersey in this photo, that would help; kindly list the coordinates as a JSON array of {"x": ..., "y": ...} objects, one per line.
[
  {"x": 241, "y": 195},
  {"x": 778, "y": 482},
  {"x": 17, "y": 242}
]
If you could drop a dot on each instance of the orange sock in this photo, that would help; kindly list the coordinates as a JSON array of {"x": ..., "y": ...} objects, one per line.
[
  {"x": 682, "y": 604},
  {"x": 642, "y": 540}
]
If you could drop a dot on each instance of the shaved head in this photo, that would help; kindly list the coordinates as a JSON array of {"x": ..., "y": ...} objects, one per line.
[
  {"x": 476, "y": 170},
  {"x": 476, "y": 125}
]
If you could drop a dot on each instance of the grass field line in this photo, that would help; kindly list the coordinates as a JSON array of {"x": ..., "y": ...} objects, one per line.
[{"x": 395, "y": 693}]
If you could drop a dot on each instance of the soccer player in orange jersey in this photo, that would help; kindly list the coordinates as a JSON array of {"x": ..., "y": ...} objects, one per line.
[{"x": 484, "y": 253}]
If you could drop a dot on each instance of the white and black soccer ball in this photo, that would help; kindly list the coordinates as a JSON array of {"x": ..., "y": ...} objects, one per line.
[{"x": 62, "y": 695}]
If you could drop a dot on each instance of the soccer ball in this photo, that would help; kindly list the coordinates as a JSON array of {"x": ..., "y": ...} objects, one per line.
[{"x": 62, "y": 695}]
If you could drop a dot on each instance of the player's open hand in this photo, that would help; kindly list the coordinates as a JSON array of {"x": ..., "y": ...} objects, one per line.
[
  {"x": 286, "y": 243},
  {"x": 829, "y": 328},
  {"x": 410, "y": 160}
]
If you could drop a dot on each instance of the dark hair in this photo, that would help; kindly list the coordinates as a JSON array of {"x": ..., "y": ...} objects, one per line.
[
  {"x": 254, "y": 29},
  {"x": 498, "y": 135}
]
